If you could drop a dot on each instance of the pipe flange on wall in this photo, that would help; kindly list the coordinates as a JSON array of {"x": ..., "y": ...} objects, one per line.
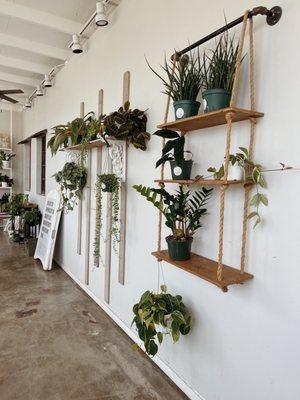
[{"x": 274, "y": 15}]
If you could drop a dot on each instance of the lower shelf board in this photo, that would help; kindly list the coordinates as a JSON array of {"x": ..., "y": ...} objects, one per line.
[{"x": 206, "y": 269}]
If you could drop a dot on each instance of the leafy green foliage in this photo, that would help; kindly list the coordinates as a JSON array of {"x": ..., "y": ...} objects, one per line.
[
  {"x": 183, "y": 210},
  {"x": 219, "y": 65},
  {"x": 164, "y": 310},
  {"x": 72, "y": 179},
  {"x": 113, "y": 182},
  {"x": 173, "y": 149},
  {"x": 127, "y": 124},
  {"x": 4, "y": 156},
  {"x": 7, "y": 179},
  {"x": 4, "y": 202},
  {"x": 187, "y": 79},
  {"x": 253, "y": 174}
]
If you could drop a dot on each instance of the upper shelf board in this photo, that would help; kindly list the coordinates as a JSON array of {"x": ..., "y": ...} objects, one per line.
[{"x": 208, "y": 120}]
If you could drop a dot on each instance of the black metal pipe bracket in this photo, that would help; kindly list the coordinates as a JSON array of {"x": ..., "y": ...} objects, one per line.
[{"x": 272, "y": 17}]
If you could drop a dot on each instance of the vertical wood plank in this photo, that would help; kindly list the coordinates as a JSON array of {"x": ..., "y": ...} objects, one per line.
[
  {"x": 79, "y": 215},
  {"x": 123, "y": 192},
  {"x": 108, "y": 241},
  {"x": 88, "y": 217}
]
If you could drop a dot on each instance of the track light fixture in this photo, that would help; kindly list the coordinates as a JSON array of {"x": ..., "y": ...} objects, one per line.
[
  {"x": 39, "y": 91},
  {"x": 76, "y": 46},
  {"x": 101, "y": 17},
  {"x": 47, "y": 81},
  {"x": 27, "y": 104}
]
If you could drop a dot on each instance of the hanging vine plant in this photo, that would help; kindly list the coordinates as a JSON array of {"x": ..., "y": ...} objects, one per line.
[
  {"x": 107, "y": 183},
  {"x": 72, "y": 179}
]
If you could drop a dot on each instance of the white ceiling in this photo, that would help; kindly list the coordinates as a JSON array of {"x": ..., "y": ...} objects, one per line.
[{"x": 34, "y": 37}]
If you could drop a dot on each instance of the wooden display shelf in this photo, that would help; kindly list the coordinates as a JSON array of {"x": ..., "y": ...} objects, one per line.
[
  {"x": 90, "y": 145},
  {"x": 6, "y": 188},
  {"x": 201, "y": 182},
  {"x": 210, "y": 119},
  {"x": 5, "y": 149},
  {"x": 206, "y": 269}
]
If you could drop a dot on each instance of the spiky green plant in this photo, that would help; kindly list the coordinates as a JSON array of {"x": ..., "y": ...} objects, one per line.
[
  {"x": 186, "y": 81},
  {"x": 219, "y": 65}
]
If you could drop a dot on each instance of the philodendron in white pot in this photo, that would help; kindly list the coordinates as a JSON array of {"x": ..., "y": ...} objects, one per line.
[{"x": 5, "y": 159}]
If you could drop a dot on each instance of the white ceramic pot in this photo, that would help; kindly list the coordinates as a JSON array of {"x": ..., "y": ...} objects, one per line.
[
  {"x": 235, "y": 173},
  {"x": 6, "y": 164},
  {"x": 4, "y": 184}
]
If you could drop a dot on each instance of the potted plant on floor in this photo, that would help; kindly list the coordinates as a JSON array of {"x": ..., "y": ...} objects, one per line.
[
  {"x": 127, "y": 124},
  {"x": 253, "y": 174},
  {"x": 31, "y": 220},
  {"x": 71, "y": 179},
  {"x": 183, "y": 212},
  {"x": 173, "y": 151},
  {"x": 184, "y": 84},
  {"x": 107, "y": 183},
  {"x": 158, "y": 315},
  {"x": 219, "y": 67}
]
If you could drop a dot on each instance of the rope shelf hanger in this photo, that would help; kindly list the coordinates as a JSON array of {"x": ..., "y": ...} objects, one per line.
[{"x": 224, "y": 275}]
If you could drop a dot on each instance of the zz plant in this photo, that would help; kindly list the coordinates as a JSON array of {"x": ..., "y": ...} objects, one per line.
[
  {"x": 71, "y": 179},
  {"x": 156, "y": 311},
  {"x": 108, "y": 183}
]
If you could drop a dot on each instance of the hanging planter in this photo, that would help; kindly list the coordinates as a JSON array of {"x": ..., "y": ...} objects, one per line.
[
  {"x": 219, "y": 67},
  {"x": 107, "y": 183},
  {"x": 158, "y": 315},
  {"x": 173, "y": 151},
  {"x": 184, "y": 84}
]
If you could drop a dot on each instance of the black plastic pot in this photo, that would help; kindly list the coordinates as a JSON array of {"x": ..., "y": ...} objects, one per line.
[
  {"x": 30, "y": 246},
  {"x": 181, "y": 170},
  {"x": 186, "y": 108},
  {"x": 215, "y": 99},
  {"x": 179, "y": 250}
]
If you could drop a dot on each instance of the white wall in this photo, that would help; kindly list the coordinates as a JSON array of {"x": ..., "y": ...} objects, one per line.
[{"x": 244, "y": 344}]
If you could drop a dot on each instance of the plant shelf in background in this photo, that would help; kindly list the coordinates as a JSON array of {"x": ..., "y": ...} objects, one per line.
[
  {"x": 210, "y": 119},
  {"x": 206, "y": 269},
  {"x": 201, "y": 182},
  {"x": 90, "y": 145}
]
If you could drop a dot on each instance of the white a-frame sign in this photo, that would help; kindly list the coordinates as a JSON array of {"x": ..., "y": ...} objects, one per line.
[{"x": 47, "y": 236}]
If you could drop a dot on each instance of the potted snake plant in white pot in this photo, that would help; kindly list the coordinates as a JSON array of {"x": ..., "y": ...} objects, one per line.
[
  {"x": 183, "y": 212},
  {"x": 174, "y": 152},
  {"x": 183, "y": 85}
]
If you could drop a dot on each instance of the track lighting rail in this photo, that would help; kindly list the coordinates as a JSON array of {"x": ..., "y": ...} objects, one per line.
[{"x": 273, "y": 16}]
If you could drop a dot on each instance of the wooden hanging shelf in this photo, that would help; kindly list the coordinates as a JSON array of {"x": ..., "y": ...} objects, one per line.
[
  {"x": 206, "y": 269},
  {"x": 201, "y": 182},
  {"x": 90, "y": 145},
  {"x": 210, "y": 119}
]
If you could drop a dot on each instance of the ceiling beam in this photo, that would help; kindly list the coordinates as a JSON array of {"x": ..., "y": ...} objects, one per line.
[
  {"x": 22, "y": 80},
  {"x": 34, "y": 47},
  {"x": 24, "y": 65},
  {"x": 33, "y": 15}
]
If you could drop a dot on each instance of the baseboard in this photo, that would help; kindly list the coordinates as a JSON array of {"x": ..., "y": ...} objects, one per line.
[{"x": 161, "y": 364}]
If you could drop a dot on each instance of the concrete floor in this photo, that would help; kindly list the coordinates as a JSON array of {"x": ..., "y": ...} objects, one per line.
[{"x": 57, "y": 344}]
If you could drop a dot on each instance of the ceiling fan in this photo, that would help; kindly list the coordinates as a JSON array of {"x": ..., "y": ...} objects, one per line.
[{"x": 3, "y": 94}]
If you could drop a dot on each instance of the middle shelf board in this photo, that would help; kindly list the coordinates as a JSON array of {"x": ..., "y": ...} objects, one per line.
[
  {"x": 208, "y": 120},
  {"x": 201, "y": 182},
  {"x": 206, "y": 269}
]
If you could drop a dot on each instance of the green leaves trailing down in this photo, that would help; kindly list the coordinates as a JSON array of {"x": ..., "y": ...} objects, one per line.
[
  {"x": 160, "y": 310},
  {"x": 183, "y": 210},
  {"x": 72, "y": 179},
  {"x": 127, "y": 124},
  {"x": 113, "y": 182},
  {"x": 187, "y": 79},
  {"x": 219, "y": 64},
  {"x": 175, "y": 146},
  {"x": 252, "y": 174}
]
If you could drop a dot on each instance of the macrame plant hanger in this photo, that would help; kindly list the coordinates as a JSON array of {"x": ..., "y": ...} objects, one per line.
[{"x": 229, "y": 121}]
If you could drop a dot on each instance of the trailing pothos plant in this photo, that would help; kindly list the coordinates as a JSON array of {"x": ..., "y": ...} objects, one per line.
[
  {"x": 183, "y": 210},
  {"x": 127, "y": 124},
  {"x": 253, "y": 173},
  {"x": 71, "y": 179},
  {"x": 108, "y": 183},
  {"x": 156, "y": 311}
]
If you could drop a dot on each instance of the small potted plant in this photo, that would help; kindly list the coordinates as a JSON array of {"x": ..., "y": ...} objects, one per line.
[
  {"x": 183, "y": 212},
  {"x": 6, "y": 181},
  {"x": 173, "y": 151},
  {"x": 156, "y": 312},
  {"x": 109, "y": 182},
  {"x": 184, "y": 84},
  {"x": 5, "y": 159},
  {"x": 31, "y": 220},
  {"x": 219, "y": 67}
]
